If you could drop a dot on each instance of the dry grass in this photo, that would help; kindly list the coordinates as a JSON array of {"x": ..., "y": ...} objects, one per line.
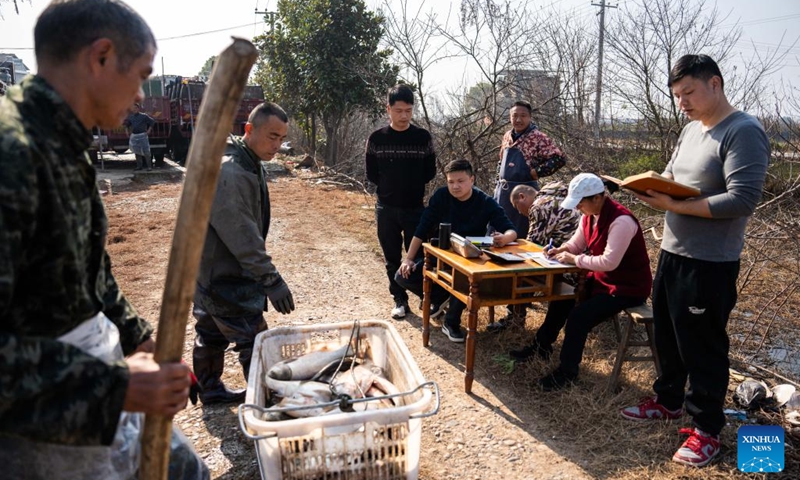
[
  {"x": 584, "y": 420},
  {"x": 581, "y": 423}
]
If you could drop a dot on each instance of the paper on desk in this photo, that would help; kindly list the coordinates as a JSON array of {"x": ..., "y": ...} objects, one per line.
[
  {"x": 487, "y": 241},
  {"x": 541, "y": 259},
  {"x": 481, "y": 241}
]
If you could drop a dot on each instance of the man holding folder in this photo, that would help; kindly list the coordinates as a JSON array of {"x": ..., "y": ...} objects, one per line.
[{"x": 723, "y": 152}]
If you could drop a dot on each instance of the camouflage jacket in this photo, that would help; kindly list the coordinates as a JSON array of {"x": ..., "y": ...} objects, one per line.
[
  {"x": 548, "y": 220},
  {"x": 235, "y": 268},
  {"x": 54, "y": 274}
]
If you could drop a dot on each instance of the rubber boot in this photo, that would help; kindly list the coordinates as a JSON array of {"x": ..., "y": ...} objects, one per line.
[
  {"x": 245, "y": 357},
  {"x": 208, "y": 366}
]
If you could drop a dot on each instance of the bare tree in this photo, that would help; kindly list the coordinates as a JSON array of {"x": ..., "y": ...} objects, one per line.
[
  {"x": 572, "y": 53},
  {"x": 414, "y": 37},
  {"x": 645, "y": 40},
  {"x": 16, "y": 5},
  {"x": 494, "y": 40}
]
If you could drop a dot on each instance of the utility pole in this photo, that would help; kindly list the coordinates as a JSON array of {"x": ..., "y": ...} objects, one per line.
[
  {"x": 599, "y": 86},
  {"x": 269, "y": 17}
]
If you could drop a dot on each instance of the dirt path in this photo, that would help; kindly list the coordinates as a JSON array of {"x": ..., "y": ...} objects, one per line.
[{"x": 323, "y": 243}]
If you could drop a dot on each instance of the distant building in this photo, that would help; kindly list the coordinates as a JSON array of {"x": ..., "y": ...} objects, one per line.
[
  {"x": 541, "y": 89},
  {"x": 538, "y": 87},
  {"x": 14, "y": 66}
]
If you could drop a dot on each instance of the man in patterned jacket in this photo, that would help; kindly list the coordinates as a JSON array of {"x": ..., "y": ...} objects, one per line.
[
  {"x": 526, "y": 155},
  {"x": 74, "y": 355},
  {"x": 547, "y": 222}
]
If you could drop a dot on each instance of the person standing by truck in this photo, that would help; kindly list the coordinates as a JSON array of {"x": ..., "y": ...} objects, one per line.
[{"x": 138, "y": 126}]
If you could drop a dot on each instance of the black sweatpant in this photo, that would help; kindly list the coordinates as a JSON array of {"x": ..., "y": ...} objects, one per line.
[
  {"x": 396, "y": 226},
  {"x": 580, "y": 319},
  {"x": 692, "y": 300}
]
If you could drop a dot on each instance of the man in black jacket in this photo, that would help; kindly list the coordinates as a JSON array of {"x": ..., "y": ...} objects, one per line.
[
  {"x": 468, "y": 210},
  {"x": 236, "y": 272},
  {"x": 400, "y": 160}
]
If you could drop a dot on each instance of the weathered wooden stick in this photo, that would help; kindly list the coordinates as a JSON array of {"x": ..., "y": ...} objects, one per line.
[{"x": 217, "y": 111}]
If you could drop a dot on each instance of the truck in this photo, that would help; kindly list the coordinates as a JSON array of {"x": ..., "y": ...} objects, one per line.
[
  {"x": 185, "y": 96},
  {"x": 174, "y": 103},
  {"x": 7, "y": 77},
  {"x": 155, "y": 104}
]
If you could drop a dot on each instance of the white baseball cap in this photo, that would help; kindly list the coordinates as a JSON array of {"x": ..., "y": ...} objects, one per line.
[{"x": 583, "y": 185}]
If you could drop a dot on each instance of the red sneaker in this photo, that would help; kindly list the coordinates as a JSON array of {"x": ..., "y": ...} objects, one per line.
[
  {"x": 648, "y": 409},
  {"x": 699, "y": 449}
]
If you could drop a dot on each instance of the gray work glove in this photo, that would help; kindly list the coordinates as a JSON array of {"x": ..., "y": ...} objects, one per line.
[{"x": 280, "y": 296}]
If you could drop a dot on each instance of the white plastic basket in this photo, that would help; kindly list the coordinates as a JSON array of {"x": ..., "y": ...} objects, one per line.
[{"x": 373, "y": 444}]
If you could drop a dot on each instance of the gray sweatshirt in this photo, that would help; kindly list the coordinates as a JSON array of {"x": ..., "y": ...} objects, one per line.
[{"x": 728, "y": 164}]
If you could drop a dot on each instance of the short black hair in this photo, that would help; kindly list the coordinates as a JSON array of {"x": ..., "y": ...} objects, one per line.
[
  {"x": 461, "y": 165},
  {"x": 263, "y": 111},
  {"x": 701, "y": 67},
  {"x": 520, "y": 103},
  {"x": 400, "y": 93},
  {"x": 66, "y": 27}
]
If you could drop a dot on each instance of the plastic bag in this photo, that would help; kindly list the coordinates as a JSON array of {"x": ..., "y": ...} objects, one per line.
[{"x": 752, "y": 394}]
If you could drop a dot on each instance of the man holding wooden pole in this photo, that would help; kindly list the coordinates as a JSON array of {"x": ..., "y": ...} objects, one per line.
[{"x": 75, "y": 358}]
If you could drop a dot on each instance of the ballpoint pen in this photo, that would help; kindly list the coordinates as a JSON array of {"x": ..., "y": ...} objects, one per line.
[{"x": 550, "y": 244}]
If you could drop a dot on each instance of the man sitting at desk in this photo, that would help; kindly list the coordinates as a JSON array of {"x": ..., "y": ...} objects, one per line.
[
  {"x": 468, "y": 210},
  {"x": 619, "y": 277},
  {"x": 548, "y": 223}
]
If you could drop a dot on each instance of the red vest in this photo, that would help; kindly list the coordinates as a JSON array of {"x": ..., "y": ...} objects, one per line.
[{"x": 632, "y": 278}]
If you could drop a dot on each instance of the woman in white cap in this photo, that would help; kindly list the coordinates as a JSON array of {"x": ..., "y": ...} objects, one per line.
[{"x": 610, "y": 244}]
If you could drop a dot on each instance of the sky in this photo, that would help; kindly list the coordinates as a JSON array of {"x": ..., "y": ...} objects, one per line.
[{"x": 190, "y": 31}]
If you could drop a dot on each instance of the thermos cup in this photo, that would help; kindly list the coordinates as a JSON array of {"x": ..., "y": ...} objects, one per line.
[{"x": 444, "y": 236}]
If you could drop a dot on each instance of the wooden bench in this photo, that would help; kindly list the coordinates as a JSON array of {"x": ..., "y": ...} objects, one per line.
[{"x": 642, "y": 315}]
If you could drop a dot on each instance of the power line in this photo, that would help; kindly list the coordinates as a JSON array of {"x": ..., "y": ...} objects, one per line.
[
  {"x": 759, "y": 21},
  {"x": 196, "y": 34}
]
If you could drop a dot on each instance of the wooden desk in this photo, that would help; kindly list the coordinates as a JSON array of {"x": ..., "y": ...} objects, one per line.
[{"x": 479, "y": 282}]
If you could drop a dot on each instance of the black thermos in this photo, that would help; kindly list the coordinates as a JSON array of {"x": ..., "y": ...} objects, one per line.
[{"x": 444, "y": 236}]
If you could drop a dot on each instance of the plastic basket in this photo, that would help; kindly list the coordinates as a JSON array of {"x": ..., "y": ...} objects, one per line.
[{"x": 372, "y": 444}]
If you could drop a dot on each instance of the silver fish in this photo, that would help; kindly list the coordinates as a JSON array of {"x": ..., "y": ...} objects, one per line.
[
  {"x": 354, "y": 382},
  {"x": 300, "y": 400},
  {"x": 307, "y": 388},
  {"x": 308, "y": 365},
  {"x": 273, "y": 416},
  {"x": 374, "y": 391}
]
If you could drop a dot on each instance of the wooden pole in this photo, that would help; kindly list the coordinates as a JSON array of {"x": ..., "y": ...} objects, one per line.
[{"x": 217, "y": 111}]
